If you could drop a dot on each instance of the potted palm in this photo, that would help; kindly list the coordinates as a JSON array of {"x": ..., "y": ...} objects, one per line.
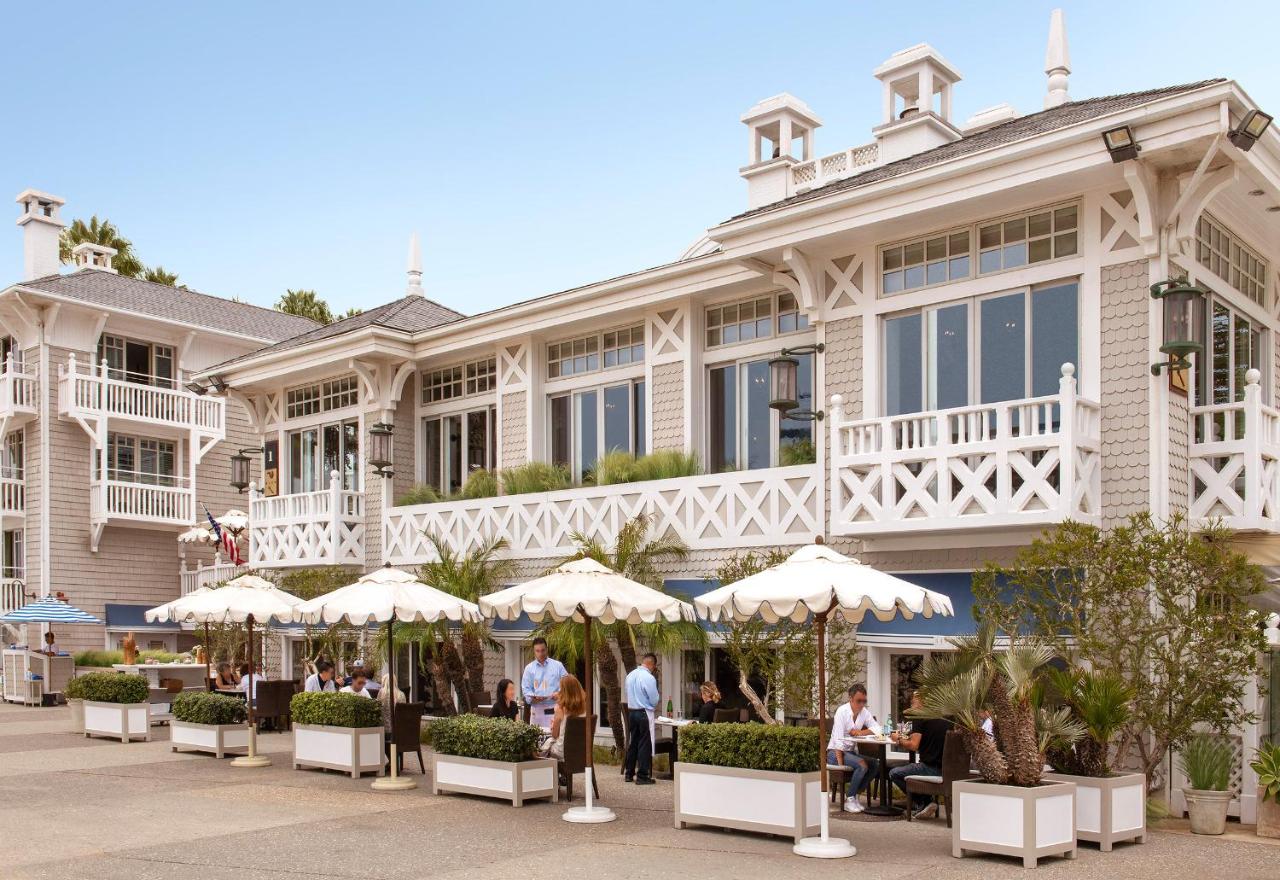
[
  {"x": 1110, "y": 806},
  {"x": 493, "y": 757},
  {"x": 206, "y": 722},
  {"x": 1206, "y": 762},
  {"x": 1010, "y": 810},
  {"x": 1267, "y": 766}
]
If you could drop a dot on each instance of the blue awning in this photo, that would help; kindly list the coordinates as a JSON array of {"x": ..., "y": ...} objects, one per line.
[{"x": 130, "y": 617}]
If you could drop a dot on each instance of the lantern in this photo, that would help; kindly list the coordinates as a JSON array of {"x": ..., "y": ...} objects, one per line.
[
  {"x": 380, "y": 448},
  {"x": 241, "y": 469},
  {"x": 1180, "y": 300},
  {"x": 782, "y": 383}
]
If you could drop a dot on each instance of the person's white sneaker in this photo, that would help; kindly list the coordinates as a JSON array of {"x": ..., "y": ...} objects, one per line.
[
  {"x": 928, "y": 811},
  {"x": 852, "y": 805}
]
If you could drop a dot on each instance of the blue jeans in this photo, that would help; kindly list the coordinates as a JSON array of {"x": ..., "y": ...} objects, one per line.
[
  {"x": 861, "y": 770},
  {"x": 898, "y": 776}
]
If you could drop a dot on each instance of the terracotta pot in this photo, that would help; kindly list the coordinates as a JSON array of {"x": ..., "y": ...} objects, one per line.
[
  {"x": 1268, "y": 815},
  {"x": 1207, "y": 809}
]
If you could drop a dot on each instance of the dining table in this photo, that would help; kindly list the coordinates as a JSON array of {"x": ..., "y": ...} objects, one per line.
[
  {"x": 674, "y": 724},
  {"x": 878, "y": 748}
]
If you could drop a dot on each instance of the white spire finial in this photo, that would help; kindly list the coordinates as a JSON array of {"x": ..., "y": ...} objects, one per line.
[
  {"x": 1057, "y": 61},
  {"x": 415, "y": 267}
]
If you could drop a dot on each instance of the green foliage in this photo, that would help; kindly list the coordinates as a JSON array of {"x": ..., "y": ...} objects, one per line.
[
  {"x": 305, "y": 304},
  {"x": 102, "y": 232},
  {"x": 75, "y": 688},
  {"x": 1206, "y": 761},
  {"x": 112, "y": 687},
  {"x": 622, "y": 467},
  {"x": 1100, "y": 701},
  {"x": 799, "y": 452},
  {"x": 206, "y": 708},
  {"x": 490, "y": 739},
  {"x": 535, "y": 476},
  {"x": 420, "y": 493},
  {"x": 335, "y": 710},
  {"x": 161, "y": 275},
  {"x": 480, "y": 484},
  {"x": 751, "y": 746},
  {"x": 106, "y": 659},
  {"x": 1267, "y": 765}
]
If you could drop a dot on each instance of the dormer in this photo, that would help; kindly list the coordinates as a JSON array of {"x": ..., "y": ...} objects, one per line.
[
  {"x": 781, "y": 135},
  {"x": 91, "y": 255},
  {"x": 916, "y": 86}
]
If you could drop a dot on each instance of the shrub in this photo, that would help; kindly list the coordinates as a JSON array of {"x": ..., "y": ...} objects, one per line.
[
  {"x": 480, "y": 484},
  {"x": 490, "y": 739},
  {"x": 106, "y": 659},
  {"x": 75, "y": 688},
  {"x": 113, "y": 687},
  {"x": 615, "y": 466},
  {"x": 1267, "y": 766},
  {"x": 420, "y": 494},
  {"x": 206, "y": 708},
  {"x": 535, "y": 476},
  {"x": 666, "y": 464},
  {"x": 1206, "y": 761},
  {"x": 751, "y": 746},
  {"x": 800, "y": 452},
  {"x": 335, "y": 710}
]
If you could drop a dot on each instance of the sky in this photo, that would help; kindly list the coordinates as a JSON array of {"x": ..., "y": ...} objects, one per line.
[{"x": 256, "y": 147}]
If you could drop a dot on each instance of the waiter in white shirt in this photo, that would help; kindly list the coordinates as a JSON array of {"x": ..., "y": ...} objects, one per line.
[
  {"x": 853, "y": 718},
  {"x": 540, "y": 684}
]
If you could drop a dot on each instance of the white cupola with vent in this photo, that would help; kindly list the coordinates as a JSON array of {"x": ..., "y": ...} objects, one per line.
[
  {"x": 91, "y": 255},
  {"x": 916, "y": 103},
  {"x": 41, "y": 228},
  {"x": 781, "y": 135}
]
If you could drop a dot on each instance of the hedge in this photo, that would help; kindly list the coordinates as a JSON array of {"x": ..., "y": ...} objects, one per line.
[
  {"x": 490, "y": 739},
  {"x": 751, "y": 746},
  {"x": 109, "y": 687},
  {"x": 335, "y": 710},
  {"x": 107, "y": 659},
  {"x": 207, "y": 708}
]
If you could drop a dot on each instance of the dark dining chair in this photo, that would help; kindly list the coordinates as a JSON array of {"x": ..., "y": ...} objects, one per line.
[
  {"x": 273, "y": 703},
  {"x": 725, "y": 716},
  {"x": 406, "y": 733},
  {"x": 575, "y": 759},
  {"x": 955, "y": 765}
]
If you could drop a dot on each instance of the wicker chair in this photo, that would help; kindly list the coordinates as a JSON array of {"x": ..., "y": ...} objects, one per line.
[
  {"x": 575, "y": 759},
  {"x": 406, "y": 733},
  {"x": 955, "y": 765}
]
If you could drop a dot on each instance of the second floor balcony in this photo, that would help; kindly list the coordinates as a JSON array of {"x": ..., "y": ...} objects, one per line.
[
  {"x": 92, "y": 393},
  {"x": 218, "y": 572},
  {"x": 19, "y": 392},
  {"x": 307, "y": 528},
  {"x": 13, "y": 593},
  {"x": 141, "y": 499},
  {"x": 13, "y": 493},
  {"x": 1235, "y": 462}
]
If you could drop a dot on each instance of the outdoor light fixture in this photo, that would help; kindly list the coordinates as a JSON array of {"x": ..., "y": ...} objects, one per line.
[
  {"x": 784, "y": 390},
  {"x": 1121, "y": 144},
  {"x": 217, "y": 384},
  {"x": 1180, "y": 299},
  {"x": 380, "y": 449},
  {"x": 195, "y": 388},
  {"x": 1250, "y": 129},
  {"x": 240, "y": 467}
]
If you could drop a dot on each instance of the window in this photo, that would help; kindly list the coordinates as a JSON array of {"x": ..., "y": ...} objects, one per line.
[
  {"x": 143, "y": 363},
  {"x": 1030, "y": 238},
  {"x": 924, "y": 262},
  {"x": 582, "y": 355},
  {"x": 1223, "y": 254},
  {"x": 314, "y": 453},
  {"x": 12, "y": 455},
  {"x": 756, "y": 318},
  {"x": 462, "y": 380},
  {"x": 14, "y": 563},
  {"x": 141, "y": 460},
  {"x": 588, "y": 423},
  {"x": 743, "y": 432},
  {"x": 481, "y": 376},
  {"x": 338, "y": 393},
  {"x": 1232, "y": 345},
  {"x": 9, "y": 349},
  {"x": 456, "y": 445},
  {"x": 332, "y": 394}
]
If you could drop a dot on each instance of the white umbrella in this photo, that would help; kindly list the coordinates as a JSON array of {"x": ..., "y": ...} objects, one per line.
[
  {"x": 585, "y": 590},
  {"x": 172, "y": 611},
  {"x": 819, "y": 582},
  {"x": 196, "y": 535},
  {"x": 384, "y": 595}
]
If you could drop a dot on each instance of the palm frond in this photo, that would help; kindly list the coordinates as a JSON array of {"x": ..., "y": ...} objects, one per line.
[
  {"x": 1058, "y": 728},
  {"x": 960, "y": 698}
]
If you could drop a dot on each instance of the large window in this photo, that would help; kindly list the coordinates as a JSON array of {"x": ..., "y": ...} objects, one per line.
[
  {"x": 1232, "y": 345},
  {"x": 322, "y": 397},
  {"x": 462, "y": 380},
  {"x": 14, "y": 564},
  {"x": 457, "y": 445},
  {"x": 1223, "y": 254},
  {"x": 12, "y": 455},
  {"x": 743, "y": 432},
  {"x": 314, "y": 453},
  {"x": 574, "y": 357},
  {"x": 587, "y": 423},
  {"x": 141, "y": 460},
  {"x": 144, "y": 363},
  {"x": 1006, "y": 346},
  {"x": 924, "y": 262},
  {"x": 758, "y": 317}
]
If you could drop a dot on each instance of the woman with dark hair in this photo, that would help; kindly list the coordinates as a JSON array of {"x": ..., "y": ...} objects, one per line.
[{"x": 504, "y": 704}]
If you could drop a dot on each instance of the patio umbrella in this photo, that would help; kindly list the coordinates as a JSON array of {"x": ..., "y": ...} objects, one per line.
[
  {"x": 819, "y": 582},
  {"x": 386, "y": 595},
  {"x": 172, "y": 609},
  {"x": 245, "y": 599},
  {"x": 585, "y": 590},
  {"x": 49, "y": 609}
]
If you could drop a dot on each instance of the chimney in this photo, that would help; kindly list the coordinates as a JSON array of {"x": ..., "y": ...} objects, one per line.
[
  {"x": 415, "y": 267},
  {"x": 1057, "y": 62},
  {"x": 91, "y": 255},
  {"x": 41, "y": 227},
  {"x": 775, "y": 125},
  {"x": 917, "y": 103}
]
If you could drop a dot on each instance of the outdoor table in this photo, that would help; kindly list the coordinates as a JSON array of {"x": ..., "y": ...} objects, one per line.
[
  {"x": 675, "y": 724},
  {"x": 885, "y": 807}
]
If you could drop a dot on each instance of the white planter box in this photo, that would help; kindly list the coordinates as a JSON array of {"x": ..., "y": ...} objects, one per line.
[
  {"x": 123, "y": 721},
  {"x": 77, "y": 715},
  {"x": 748, "y": 800},
  {"x": 1008, "y": 820},
  {"x": 510, "y": 781},
  {"x": 220, "y": 739},
  {"x": 1110, "y": 809},
  {"x": 353, "y": 750}
]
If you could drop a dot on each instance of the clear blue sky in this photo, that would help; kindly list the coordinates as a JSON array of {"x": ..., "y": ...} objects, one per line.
[{"x": 256, "y": 147}]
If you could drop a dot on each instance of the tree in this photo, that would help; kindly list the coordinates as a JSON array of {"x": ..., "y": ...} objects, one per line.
[
  {"x": 105, "y": 233},
  {"x": 1163, "y": 608},
  {"x": 160, "y": 275},
  {"x": 305, "y": 304},
  {"x": 338, "y": 642}
]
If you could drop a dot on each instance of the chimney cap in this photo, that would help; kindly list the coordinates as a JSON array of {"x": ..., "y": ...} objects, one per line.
[
  {"x": 779, "y": 103},
  {"x": 51, "y": 203},
  {"x": 914, "y": 55},
  {"x": 91, "y": 255}
]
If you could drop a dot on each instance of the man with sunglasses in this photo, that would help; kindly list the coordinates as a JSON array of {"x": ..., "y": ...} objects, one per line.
[{"x": 852, "y": 719}]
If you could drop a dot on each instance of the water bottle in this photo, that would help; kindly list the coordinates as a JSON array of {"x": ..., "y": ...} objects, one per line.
[{"x": 888, "y": 726}]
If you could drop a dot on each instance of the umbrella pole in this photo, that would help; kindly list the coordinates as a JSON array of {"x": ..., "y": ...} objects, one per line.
[
  {"x": 208, "y": 658},
  {"x": 392, "y": 782},
  {"x": 591, "y": 812},
  {"x": 253, "y": 759}
]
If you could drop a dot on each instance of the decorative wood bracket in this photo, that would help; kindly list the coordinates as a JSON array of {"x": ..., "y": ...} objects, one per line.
[{"x": 1143, "y": 184}]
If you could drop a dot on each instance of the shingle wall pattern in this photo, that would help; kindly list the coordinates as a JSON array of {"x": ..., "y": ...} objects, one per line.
[{"x": 1125, "y": 408}]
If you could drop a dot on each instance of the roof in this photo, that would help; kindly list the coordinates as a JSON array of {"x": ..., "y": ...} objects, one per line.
[
  {"x": 112, "y": 291},
  {"x": 131, "y": 617},
  {"x": 1019, "y": 129}
]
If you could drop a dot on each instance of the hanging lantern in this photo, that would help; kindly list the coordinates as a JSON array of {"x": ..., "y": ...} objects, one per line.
[
  {"x": 241, "y": 472},
  {"x": 1181, "y": 301},
  {"x": 380, "y": 448},
  {"x": 783, "y": 373}
]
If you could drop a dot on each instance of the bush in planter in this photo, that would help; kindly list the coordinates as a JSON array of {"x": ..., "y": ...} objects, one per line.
[
  {"x": 112, "y": 687},
  {"x": 1206, "y": 761},
  {"x": 207, "y": 708},
  {"x": 751, "y": 747},
  {"x": 490, "y": 739},
  {"x": 75, "y": 688},
  {"x": 335, "y": 710},
  {"x": 1267, "y": 766},
  {"x": 1100, "y": 701},
  {"x": 535, "y": 476}
]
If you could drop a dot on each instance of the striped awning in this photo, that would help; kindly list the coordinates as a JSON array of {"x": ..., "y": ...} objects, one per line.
[{"x": 48, "y": 610}]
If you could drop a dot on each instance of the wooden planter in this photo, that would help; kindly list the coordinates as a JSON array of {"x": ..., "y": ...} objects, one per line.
[
  {"x": 123, "y": 721},
  {"x": 507, "y": 780},
  {"x": 1008, "y": 820},
  {"x": 790, "y": 804},
  {"x": 1109, "y": 809},
  {"x": 353, "y": 750},
  {"x": 219, "y": 739}
]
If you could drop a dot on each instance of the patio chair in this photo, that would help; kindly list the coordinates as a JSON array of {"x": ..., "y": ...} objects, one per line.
[
  {"x": 574, "y": 760},
  {"x": 273, "y": 703},
  {"x": 955, "y": 765},
  {"x": 726, "y": 716},
  {"x": 406, "y": 733}
]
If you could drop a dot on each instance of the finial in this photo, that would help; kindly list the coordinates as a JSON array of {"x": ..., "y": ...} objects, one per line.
[
  {"x": 1057, "y": 61},
  {"x": 415, "y": 267}
]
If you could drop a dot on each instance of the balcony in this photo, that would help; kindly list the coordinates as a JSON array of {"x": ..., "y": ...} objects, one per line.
[
  {"x": 13, "y": 494},
  {"x": 1235, "y": 462},
  {"x": 309, "y": 528},
  {"x": 19, "y": 394},
  {"x": 90, "y": 395},
  {"x": 202, "y": 575},
  {"x": 1031, "y": 462},
  {"x": 758, "y": 508},
  {"x": 13, "y": 595},
  {"x": 139, "y": 499}
]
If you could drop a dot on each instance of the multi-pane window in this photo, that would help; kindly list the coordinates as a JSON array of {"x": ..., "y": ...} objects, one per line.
[
  {"x": 624, "y": 346},
  {"x": 756, "y": 318},
  {"x": 744, "y": 432},
  {"x": 144, "y": 363},
  {"x": 925, "y": 262},
  {"x": 332, "y": 394},
  {"x": 1030, "y": 238},
  {"x": 13, "y": 565},
  {"x": 481, "y": 376},
  {"x": 456, "y": 446},
  {"x": 449, "y": 383},
  {"x": 588, "y": 423},
  {"x": 574, "y": 357},
  {"x": 12, "y": 456},
  {"x": 1223, "y": 254},
  {"x": 315, "y": 453},
  {"x": 141, "y": 460}
]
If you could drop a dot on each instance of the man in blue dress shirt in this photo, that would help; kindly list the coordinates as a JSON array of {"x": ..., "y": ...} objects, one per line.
[
  {"x": 642, "y": 701},
  {"x": 540, "y": 684}
]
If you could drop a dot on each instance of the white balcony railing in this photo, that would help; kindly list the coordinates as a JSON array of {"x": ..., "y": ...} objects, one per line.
[
  {"x": 1235, "y": 462},
  {"x": 825, "y": 169},
  {"x": 310, "y": 528},
  {"x": 88, "y": 392},
  {"x": 143, "y": 498},
  {"x": 757, "y": 508},
  {"x": 12, "y": 595},
  {"x": 203, "y": 575},
  {"x": 13, "y": 495},
  {"x": 1020, "y": 462},
  {"x": 19, "y": 389}
]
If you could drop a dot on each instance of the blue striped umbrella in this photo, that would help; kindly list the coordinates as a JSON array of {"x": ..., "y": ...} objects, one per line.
[{"x": 48, "y": 610}]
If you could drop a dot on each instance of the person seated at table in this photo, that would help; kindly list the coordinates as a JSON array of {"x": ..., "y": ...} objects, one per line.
[
  {"x": 571, "y": 702},
  {"x": 387, "y": 698},
  {"x": 226, "y": 679},
  {"x": 359, "y": 680},
  {"x": 50, "y": 646},
  {"x": 710, "y": 702},
  {"x": 249, "y": 679},
  {"x": 853, "y": 719},
  {"x": 504, "y": 702},
  {"x": 927, "y": 738},
  {"x": 988, "y": 726},
  {"x": 322, "y": 679}
]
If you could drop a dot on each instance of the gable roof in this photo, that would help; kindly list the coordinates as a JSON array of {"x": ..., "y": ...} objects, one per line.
[
  {"x": 1022, "y": 128},
  {"x": 106, "y": 289}
]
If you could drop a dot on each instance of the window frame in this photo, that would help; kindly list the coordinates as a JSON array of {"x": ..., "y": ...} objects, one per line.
[
  {"x": 577, "y": 467},
  {"x": 156, "y": 351},
  {"x": 739, "y": 428},
  {"x": 594, "y": 346},
  {"x": 134, "y": 475},
  {"x": 1233, "y": 238},
  {"x": 320, "y": 394},
  {"x": 775, "y": 318},
  {"x": 490, "y": 409},
  {"x": 350, "y": 481},
  {"x": 467, "y": 377}
]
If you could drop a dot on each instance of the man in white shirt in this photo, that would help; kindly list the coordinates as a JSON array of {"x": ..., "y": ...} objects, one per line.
[
  {"x": 248, "y": 685},
  {"x": 853, "y": 718},
  {"x": 322, "y": 680},
  {"x": 359, "y": 678},
  {"x": 540, "y": 684}
]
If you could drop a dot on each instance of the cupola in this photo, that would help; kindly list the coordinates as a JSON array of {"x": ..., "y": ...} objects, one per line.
[{"x": 916, "y": 85}]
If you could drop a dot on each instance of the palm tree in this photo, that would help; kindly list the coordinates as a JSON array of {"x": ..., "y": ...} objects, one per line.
[
  {"x": 306, "y": 304},
  {"x": 105, "y": 233},
  {"x": 161, "y": 275}
]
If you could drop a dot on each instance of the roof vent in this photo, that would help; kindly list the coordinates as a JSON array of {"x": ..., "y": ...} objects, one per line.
[
  {"x": 91, "y": 255},
  {"x": 988, "y": 117}
]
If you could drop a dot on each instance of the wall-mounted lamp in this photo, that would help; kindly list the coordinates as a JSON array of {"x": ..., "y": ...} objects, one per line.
[
  {"x": 240, "y": 463},
  {"x": 380, "y": 449},
  {"x": 217, "y": 384},
  {"x": 1120, "y": 143},
  {"x": 1250, "y": 129},
  {"x": 784, "y": 389},
  {"x": 1180, "y": 299},
  {"x": 195, "y": 387}
]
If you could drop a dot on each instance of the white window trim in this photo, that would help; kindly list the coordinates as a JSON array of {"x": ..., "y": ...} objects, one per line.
[
  {"x": 593, "y": 376},
  {"x": 1268, "y": 341},
  {"x": 775, "y": 417},
  {"x": 725, "y": 349},
  {"x": 923, "y": 239},
  {"x": 614, "y": 380},
  {"x": 1221, "y": 283},
  {"x": 425, "y": 414},
  {"x": 322, "y": 417},
  {"x": 464, "y": 395},
  {"x": 333, "y": 418}
]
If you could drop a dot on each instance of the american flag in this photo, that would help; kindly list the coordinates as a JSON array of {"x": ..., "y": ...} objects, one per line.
[{"x": 226, "y": 539}]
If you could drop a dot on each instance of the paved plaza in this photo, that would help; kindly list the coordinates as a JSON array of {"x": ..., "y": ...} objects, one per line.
[{"x": 78, "y": 808}]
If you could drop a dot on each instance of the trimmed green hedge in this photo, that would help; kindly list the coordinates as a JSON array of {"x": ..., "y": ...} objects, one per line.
[
  {"x": 491, "y": 739},
  {"x": 110, "y": 687},
  {"x": 207, "y": 708},
  {"x": 335, "y": 710},
  {"x": 751, "y": 746},
  {"x": 106, "y": 659}
]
